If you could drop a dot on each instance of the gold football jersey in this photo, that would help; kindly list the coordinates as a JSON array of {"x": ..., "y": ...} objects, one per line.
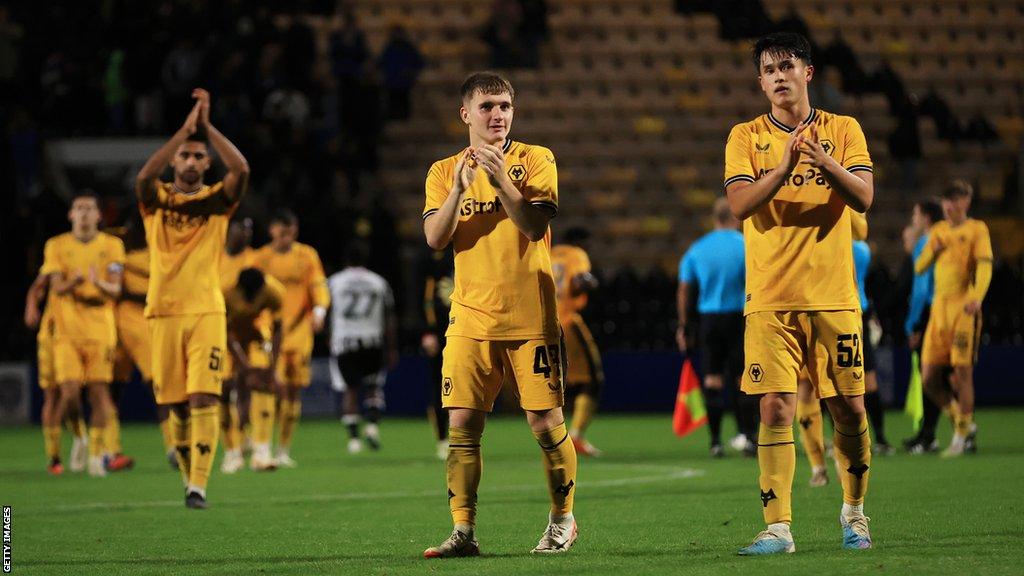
[
  {"x": 963, "y": 247},
  {"x": 504, "y": 287},
  {"x": 185, "y": 233},
  {"x": 798, "y": 253},
  {"x": 84, "y": 313}
]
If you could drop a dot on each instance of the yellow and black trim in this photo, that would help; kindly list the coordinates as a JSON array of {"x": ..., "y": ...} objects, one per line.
[
  {"x": 775, "y": 121},
  {"x": 738, "y": 178}
]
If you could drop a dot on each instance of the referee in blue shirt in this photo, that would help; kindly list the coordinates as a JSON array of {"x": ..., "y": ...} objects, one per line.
[
  {"x": 714, "y": 266},
  {"x": 926, "y": 214}
]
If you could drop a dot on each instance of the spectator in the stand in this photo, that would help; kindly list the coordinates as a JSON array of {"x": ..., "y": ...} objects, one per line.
[
  {"x": 946, "y": 123},
  {"x": 400, "y": 64},
  {"x": 179, "y": 74},
  {"x": 114, "y": 91},
  {"x": 503, "y": 35},
  {"x": 840, "y": 55},
  {"x": 299, "y": 50},
  {"x": 349, "y": 54},
  {"x": 825, "y": 93},
  {"x": 11, "y": 34},
  {"x": 534, "y": 29}
]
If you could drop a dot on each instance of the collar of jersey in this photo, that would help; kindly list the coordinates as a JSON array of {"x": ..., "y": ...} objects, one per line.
[
  {"x": 508, "y": 144},
  {"x": 784, "y": 128}
]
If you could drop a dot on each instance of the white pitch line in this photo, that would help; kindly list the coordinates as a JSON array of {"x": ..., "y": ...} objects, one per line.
[{"x": 673, "y": 474}]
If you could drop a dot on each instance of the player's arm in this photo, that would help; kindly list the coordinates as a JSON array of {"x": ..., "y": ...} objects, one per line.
[
  {"x": 319, "y": 295},
  {"x": 32, "y": 299},
  {"x": 682, "y": 302},
  {"x": 746, "y": 195},
  {"x": 238, "y": 351},
  {"x": 931, "y": 251},
  {"x": 276, "y": 337},
  {"x": 532, "y": 220},
  {"x": 857, "y": 189},
  {"x": 439, "y": 225},
  {"x": 982, "y": 272},
  {"x": 111, "y": 285},
  {"x": 237, "y": 178},
  {"x": 145, "y": 181},
  {"x": 62, "y": 285}
]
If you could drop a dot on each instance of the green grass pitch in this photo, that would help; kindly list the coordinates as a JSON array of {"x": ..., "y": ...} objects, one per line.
[{"x": 653, "y": 505}]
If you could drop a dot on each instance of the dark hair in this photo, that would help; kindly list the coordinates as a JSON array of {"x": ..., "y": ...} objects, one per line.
[
  {"x": 251, "y": 281},
  {"x": 957, "y": 189},
  {"x": 487, "y": 83},
  {"x": 284, "y": 216},
  {"x": 782, "y": 44},
  {"x": 357, "y": 253},
  {"x": 86, "y": 193},
  {"x": 575, "y": 235},
  {"x": 931, "y": 209}
]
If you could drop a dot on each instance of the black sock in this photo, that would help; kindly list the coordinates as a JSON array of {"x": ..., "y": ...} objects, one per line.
[
  {"x": 876, "y": 413},
  {"x": 353, "y": 430},
  {"x": 930, "y": 420},
  {"x": 749, "y": 415},
  {"x": 715, "y": 405}
]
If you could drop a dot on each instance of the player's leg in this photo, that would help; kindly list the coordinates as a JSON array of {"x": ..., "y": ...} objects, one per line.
[
  {"x": 746, "y": 406},
  {"x": 351, "y": 415},
  {"x": 812, "y": 436},
  {"x": 68, "y": 371},
  {"x": 297, "y": 377},
  {"x": 436, "y": 413},
  {"x": 585, "y": 373},
  {"x": 230, "y": 426},
  {"x": 373, "y": 399},
  {"x": 116, "y": 459},
  {"x": 836, "y": 367},
  {"x": 205, "y": 349},
  {"x": 102, "y": 407},
  {"x": 773, "y": 345},
  {"x": 713, "y": 358},
  {"x": 262, "y": 408},
  {"x": 537, "y": 367},
  {"x": 472, "y": 374},
  {"x": 962, "y": 357},
  {"x": 51, "y": 429},
  {"x": 872, "y": 398}
]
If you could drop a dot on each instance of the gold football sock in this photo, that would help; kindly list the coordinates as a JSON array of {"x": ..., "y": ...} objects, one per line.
[
  {"x": 776, "y": 456},
  {"x": 853, "y": 453},
  {"x": 235, "y": 430},
  {"x": 290, "y": 411},
  {"x": 963, "y": 424},
  {"x": 51, "y": 441},
  {"x": 226, "y": 423},
  {"x": 465, "y": 464},
  {"x": 167, "y": 435},
  {"x": 954, "y": 411},
  {"x": 204, "y": 426},
  {"x": 560, "y": 466},
  {"x": 112, "y": 436},
  {"x": 812, "y": 435},
  {"x": 582, "y": 413},
  {"x": 180, "y": 434},
  {"x": 97, "y": 435},
  {"x": 261, "y": 413}
]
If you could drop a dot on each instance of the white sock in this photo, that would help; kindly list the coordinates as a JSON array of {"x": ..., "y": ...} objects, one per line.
[
  {"x": 371, "y": 430},
  {"x": 197, "y": 490},
  {"x": 852, "y": 510},
  {"x": 780, "y": 529},
  {"x": 465, "y": 528},
  {"x": 566, "y": 519}
]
